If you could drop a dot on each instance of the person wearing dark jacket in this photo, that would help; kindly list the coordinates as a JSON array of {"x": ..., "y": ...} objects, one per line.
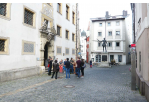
[
  {"x": 67, "y": 65},
  {"x": 78, "y": 67},
  {"x": 50, "y": 67},
  {"x": 55, "y": 69},
  {"x": 90, "y": 63},
  {"x": 82, "y": 68}
]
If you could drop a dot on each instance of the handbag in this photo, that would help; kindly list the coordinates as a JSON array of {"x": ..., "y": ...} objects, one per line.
[{"x": 48, "y": 65}]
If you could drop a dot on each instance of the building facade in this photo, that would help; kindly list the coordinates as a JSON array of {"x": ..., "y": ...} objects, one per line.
[
  {"x": 83, "y": 45},
  {"x": 116, "y": 30},
  {"x": 30, "y": 33},
  {"x": 140, "y": 17}
]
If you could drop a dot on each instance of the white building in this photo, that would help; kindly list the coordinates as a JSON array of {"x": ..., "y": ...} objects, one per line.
[
  {"x": 25, "y": 43},
  {"x": 83, "y": 44},
  {"x": 118, "y": 31}
]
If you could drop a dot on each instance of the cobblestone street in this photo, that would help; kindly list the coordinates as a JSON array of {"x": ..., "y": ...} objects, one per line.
[{"x": 98, "y": 85}]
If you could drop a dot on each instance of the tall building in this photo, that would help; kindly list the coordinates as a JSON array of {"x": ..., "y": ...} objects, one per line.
[
  {"x": 30, "y": 33},
  {"x": 140, "y": 36},
  {"x": 83, "y": 45},
  {"x": 116, "y": 30}
]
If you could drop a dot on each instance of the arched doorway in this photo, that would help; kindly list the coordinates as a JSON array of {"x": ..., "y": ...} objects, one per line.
[{"x": 46, "y": 55}]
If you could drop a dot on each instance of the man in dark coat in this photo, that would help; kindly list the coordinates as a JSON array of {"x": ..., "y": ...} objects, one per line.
[{"x": 55, "y": 69}]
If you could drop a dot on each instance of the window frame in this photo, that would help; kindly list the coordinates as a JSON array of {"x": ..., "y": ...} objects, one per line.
[
  {"x": 6, "y": 49},
  {"x": 67, "y": 12},
  {"x": 34, "y": 17},
  {"x": 110, "y": 43},
  {"x": 8, "y": 12},
  {"x": 68, "y": 34},
  {"x": 108, "y": 24},
  {"x": 108, "y": 33},
  {"x": 66, "y": 48},
  {"x": 60, "y": 8},
  {"x": 116, "y": 44},
  {"x": 72, "y": 51},
  {"x": 73, "y": 18},
  {"x": 99, "y": 34},
  {"x": 99, "y": 24},
  {"x": 73, "y": 37},
  {"x": 28, "y": 53},
  {"x": 116, "y": 33},
  {"x": 121, "y": 59},
  {"x": 56, "y": 50}
]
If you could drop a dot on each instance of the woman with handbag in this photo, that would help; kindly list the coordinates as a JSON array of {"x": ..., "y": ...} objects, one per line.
[{"x": 55, "y": 69}]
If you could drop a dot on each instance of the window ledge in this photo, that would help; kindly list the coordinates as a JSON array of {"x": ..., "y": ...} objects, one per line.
[
  {"x": 59, "y": 13},
  {"x": 59, "y": 36},
  {"x": 67, "y": 19},
  {"x": 29, "y": 25},
  {"x": 73, "y": 23},
  {"x": 67, "y": 39},
  {"x": 5, "y": 17}
]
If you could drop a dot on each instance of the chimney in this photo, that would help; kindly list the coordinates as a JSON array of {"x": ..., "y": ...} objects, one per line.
[
  {"x": 124, "y": 13},
  {"x": 107, "y": 14}
]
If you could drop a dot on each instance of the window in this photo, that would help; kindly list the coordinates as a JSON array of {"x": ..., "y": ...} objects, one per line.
[
  {"x": 117, "y": 33},
  {"x": 67, "y": 34},
  {"x": 117, "y": 23},
  {"x": 28, "y": 17},
  {"x": 119, "y": 58},
  {"x": 46, "y": 21},
  {"x": 58, "y": 30},
  {"x": 73, "y": 17},
  {"x": 28, "y": 47},
  {"x": 3, "y": 9},
  {"x": 111, "y": 57},
  {"x": 67, "y": 51},
  {"x": 117, "y": 44},
  {"x": 110, "y": 33},
  {"x": 99, "y": 44},
  {"x": 110, "y": 44},
  {"x": 49, "y": 4},
  {"x": 73, "y": 37},
  {"x": 67, "y": 12},
  {"x": 100, "y": 24},
  {"x": 2, "y": 45},
  {"x": 99, "y": 33},
  {"x": 59, "y": 50},
  {"x": 98, "y": 58},
  {"x": 92, "y": 59},
  {"x": 59, "y": 7},
  {"x": 73, "y": 51},
  {"x": 109, "y": 23}
]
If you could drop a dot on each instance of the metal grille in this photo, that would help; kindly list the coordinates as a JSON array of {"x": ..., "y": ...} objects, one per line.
[
  {"x": 67, "y": 34},
  {"x": 58, "y": 50},
  {"x": 28, "y": 17},
  {"x": 28, "y": 47},
  {"x": 3, "y": 9},
  {"x": 2, "y": 45},
  {"x": 67, "y": 51},
  {"x": 58, "y": 30}
]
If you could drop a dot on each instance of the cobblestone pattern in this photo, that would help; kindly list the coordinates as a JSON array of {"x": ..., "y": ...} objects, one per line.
[{"x": 98, "y": 85}]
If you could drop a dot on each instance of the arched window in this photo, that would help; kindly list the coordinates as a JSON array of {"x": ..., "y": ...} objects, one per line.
[{"x": 98, "y": 58}]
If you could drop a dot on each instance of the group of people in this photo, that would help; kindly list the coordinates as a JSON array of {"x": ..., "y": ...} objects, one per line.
[{"x": 72, "y": 66}]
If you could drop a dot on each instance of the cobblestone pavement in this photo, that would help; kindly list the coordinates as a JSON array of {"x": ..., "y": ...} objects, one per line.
[{"x": 98, "y": 85}]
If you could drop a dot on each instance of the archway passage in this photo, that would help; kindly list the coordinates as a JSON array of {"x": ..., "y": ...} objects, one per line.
[{"x": 46, "y": 55}]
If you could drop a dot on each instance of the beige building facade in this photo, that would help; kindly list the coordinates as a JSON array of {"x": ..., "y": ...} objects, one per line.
[{"x": 141, "y": 39}]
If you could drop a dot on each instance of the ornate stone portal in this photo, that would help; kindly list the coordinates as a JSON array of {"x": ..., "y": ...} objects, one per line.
[{"x": 47, "y": 35}]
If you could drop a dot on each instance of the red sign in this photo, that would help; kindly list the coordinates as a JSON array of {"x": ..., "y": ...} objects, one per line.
[{"x": 133, "y": 45}]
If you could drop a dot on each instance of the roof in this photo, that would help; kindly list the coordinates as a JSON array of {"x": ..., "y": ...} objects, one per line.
[
  {"x": 117, "y": 17},
  {"x": 83, "y": 33}
]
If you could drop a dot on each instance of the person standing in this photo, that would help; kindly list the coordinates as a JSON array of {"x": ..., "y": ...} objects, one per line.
[
  {"x": 50, "y": 67},
  {"x": 90, "y": 63},
  {"x": 64, "y": 68},
  {"x": 61, "y": 66},
  {"x": 74, "y": 66},
  {"x": 71, "y": 65},
  {"x": 78, "y": 67},
  {"x": 55, "y": 69},
  {"x": 67, "y": 65},
  {"x": 82, "y": 68}
]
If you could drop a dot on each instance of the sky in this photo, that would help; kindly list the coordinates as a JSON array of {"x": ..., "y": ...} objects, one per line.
[{"x": 98, "y": 9}]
